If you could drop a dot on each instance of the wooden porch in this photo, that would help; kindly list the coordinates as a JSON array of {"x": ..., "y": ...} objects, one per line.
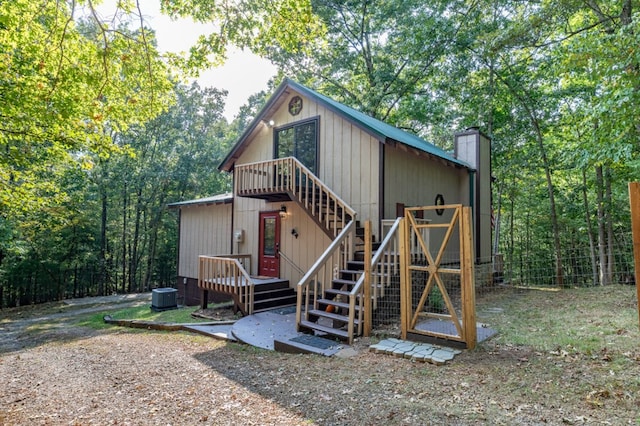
[{"x": 227, "y": 274}]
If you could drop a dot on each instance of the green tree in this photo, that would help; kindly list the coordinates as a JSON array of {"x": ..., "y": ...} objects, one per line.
[
  {"x": 65, "y": 85},
  {"x": 174, "y": 157}
]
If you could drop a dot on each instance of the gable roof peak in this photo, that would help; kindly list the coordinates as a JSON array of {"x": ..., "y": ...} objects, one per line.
[{"x": 379, "y": 129}]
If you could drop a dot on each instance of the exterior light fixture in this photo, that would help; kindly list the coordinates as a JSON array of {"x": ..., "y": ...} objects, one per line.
[{"x": 283, "y": 212}]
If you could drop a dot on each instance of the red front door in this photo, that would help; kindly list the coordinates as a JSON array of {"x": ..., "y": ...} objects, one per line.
[{"x": 268, "y": 257}]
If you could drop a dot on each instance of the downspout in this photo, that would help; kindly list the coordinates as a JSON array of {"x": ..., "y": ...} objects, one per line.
[
  {"x": 233, "y": 208},
  {"x": 472, "y": 204},
  {"x": 381, "y": 188}
]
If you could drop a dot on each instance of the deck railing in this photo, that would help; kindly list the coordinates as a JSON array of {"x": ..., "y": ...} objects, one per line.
[
  {"x": 290, "y": 176},
  {"x": 226, "y": 274},
  {"x": 312, "y": 286}
]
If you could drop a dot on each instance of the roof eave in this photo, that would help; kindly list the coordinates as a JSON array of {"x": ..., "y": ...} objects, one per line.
[{"x": 228, "y": 162}]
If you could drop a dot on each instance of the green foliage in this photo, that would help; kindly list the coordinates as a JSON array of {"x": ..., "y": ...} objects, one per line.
[
  {"x": 92, "y": 148},
  {"x": 66, "y": 85},
  {"x": 260, "y": 25}
]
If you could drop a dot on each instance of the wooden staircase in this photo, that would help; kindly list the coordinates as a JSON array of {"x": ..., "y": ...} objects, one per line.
[
  {"x": 339, "y": 308},
  {"x": 287, "y": 179},
  {"x": 332, "y": 314},
  {"x": 330, "y": 296}
]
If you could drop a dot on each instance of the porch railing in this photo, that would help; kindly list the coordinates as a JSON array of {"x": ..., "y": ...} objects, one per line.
[
  {"x": 313, "y": 284},
  {"x": 226, "y": 274},
  {"x": 290, "y": 176}
]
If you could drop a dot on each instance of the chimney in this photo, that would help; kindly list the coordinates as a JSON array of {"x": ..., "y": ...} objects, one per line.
[{"x": 474, "y": 148}]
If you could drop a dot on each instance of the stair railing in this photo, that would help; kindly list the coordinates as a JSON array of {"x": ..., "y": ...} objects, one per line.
[
  {"x": 288, "y": 175},
  {"x": 312, "y": 285},
  {"x": 228, "y": 275},
  {"x": 384, "y": 267}
]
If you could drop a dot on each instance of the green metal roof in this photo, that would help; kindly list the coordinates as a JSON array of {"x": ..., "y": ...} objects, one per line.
[{"x": 379, "y": 129}]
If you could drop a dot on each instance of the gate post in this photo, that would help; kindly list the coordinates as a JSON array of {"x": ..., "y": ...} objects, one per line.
[
  {"x": 467, "y": 280},
  {"x": 368, "y": 315},
  {"x": 634, "y": 201},
  {"x": 405, "y": 280}
]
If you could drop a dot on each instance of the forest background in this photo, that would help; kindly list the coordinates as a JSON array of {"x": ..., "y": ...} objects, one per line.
[{"x": 99, "y": 132}]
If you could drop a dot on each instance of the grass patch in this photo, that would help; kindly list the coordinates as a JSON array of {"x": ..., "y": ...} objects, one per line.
[
  {"x": 589, "y": 321},
  {"x": 142, "y": 313}
]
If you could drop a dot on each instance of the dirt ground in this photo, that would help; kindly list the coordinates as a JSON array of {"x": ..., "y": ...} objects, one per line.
[{"x": 54, "y": 371}]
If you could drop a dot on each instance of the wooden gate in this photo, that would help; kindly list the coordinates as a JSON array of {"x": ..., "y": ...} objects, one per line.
[{"x": 437, "y": 268}]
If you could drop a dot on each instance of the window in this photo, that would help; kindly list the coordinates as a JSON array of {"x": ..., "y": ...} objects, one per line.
[{"x": 299, "y": 140}]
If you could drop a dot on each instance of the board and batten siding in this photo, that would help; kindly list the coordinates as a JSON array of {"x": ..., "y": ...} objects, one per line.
[
  {"x": 204, "y": 230},
  {"x": 348, "y": 157},
  {"x": 414, "y": 181}
]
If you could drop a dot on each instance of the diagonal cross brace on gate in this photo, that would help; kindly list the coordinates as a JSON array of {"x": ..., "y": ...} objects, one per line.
[{"x": 414, "y": 237}]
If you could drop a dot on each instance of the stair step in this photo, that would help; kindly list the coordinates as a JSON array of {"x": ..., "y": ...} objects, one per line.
[
  {"x": 332, "y": 316},
  {"x": 340, "y": 281},
  {"x": 356, "y": 264},
  {"x": 336, "y": 303},
  {"x": 276, "y": 302},
  {"x": 273, "y": 294},
  {"x": 328, "y": 330},
  {"x": 337, "y": 292}
]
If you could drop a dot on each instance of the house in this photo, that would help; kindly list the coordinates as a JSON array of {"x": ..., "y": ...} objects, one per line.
[{"x": 305, "y": 168}]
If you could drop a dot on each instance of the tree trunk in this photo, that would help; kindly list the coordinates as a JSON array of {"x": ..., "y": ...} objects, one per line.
[
  {"x": 552, "y": 201},
  {"x": 602, "y": 255},
  {"x": 124, "y": 238},
  {"x": 103, "y": 239},
  {"x": 592, "y": 247},
  {"x": 609, "y": 224},
  {"x": 133, "y": 259}
]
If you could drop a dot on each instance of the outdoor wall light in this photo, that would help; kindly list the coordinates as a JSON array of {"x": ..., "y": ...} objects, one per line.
[
  {"x": 283, "y": 212},
  {"x": 269, "y": 123},
  {"x": 294, "y": 232}
]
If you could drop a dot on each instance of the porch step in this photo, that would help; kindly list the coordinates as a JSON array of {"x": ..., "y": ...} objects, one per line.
[
  {"x": 336, "y": 304},
  {"x": 336, "y": 292},
  {"x": 343, "y": 334},
  {"x": 329, "y": 315},
  {"x": 339, "y": 282},
  {"x": 273, "y": 295}
]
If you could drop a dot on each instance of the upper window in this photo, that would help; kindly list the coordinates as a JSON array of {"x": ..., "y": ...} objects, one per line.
[{"x": 299, "y": 140}]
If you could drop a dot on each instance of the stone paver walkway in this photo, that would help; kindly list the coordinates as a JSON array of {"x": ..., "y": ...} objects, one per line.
[{"x": 423, "y": 352}]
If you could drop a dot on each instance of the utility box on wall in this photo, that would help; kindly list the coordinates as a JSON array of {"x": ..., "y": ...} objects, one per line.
[{"x": 163, "y": 299}]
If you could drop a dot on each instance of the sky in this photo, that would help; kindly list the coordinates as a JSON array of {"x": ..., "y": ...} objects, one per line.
[{"x": 242, "y": 75}]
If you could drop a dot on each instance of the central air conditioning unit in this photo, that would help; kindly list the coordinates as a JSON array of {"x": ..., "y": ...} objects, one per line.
[{"x": 163, "y": 299}]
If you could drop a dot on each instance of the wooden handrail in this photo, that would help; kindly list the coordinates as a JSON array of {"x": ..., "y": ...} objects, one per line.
[
  {"x": 333, "y": 259},
  {"x": 288, "y": 175},
  {"x": 227, "y": 275}
]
